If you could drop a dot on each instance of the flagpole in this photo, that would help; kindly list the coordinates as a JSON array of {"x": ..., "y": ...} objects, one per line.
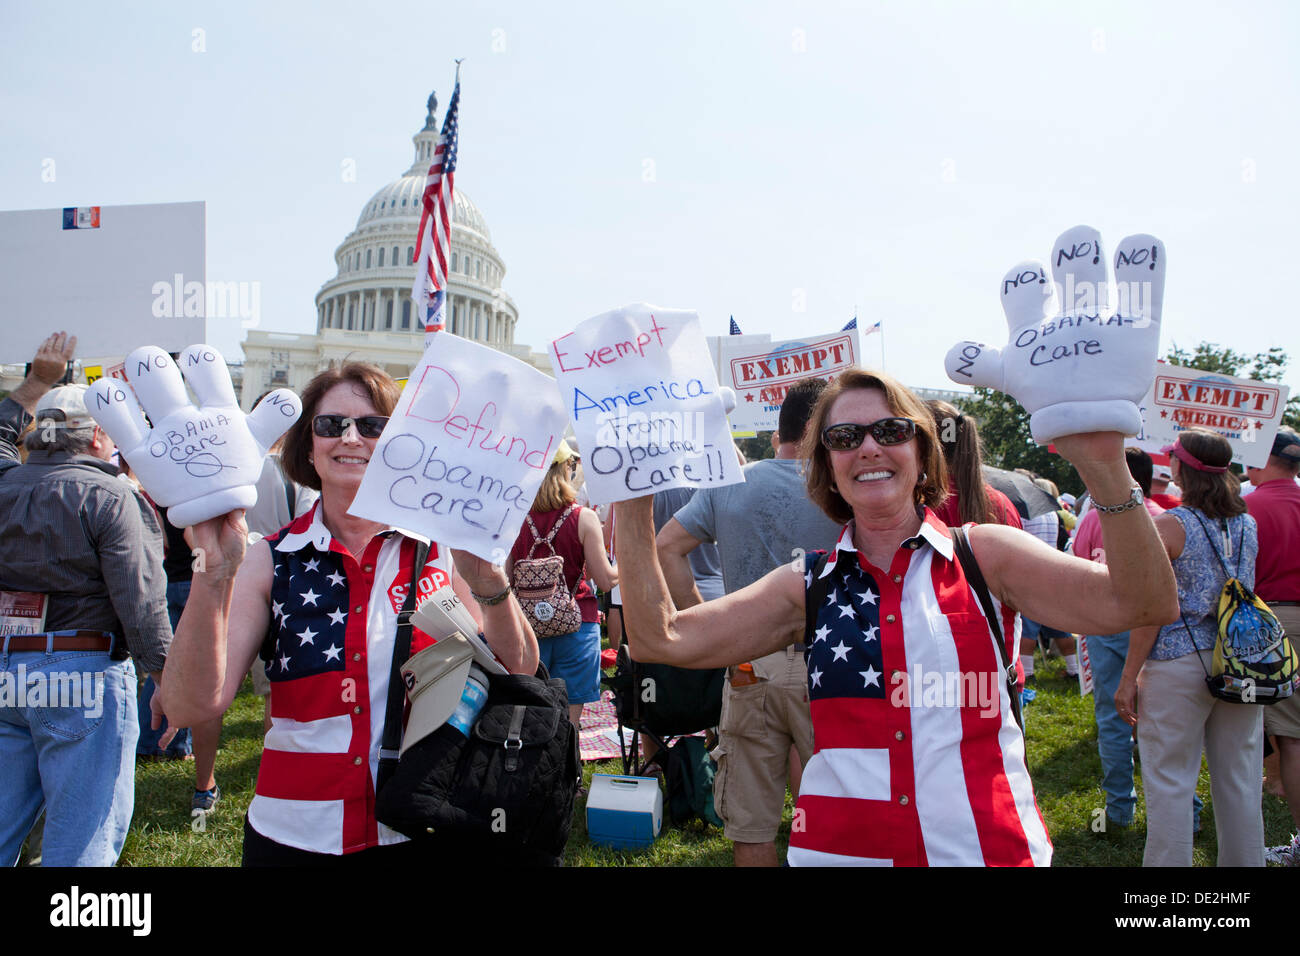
[
  {"x": 428, "y": 297},
  {"x": 882, "y": 346}
]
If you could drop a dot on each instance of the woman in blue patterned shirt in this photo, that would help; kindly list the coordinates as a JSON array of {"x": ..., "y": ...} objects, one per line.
[{"x": 1163, "y": 688}]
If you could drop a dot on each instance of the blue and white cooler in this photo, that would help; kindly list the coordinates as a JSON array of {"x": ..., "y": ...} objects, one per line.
[{"x": 624, "y": 812}]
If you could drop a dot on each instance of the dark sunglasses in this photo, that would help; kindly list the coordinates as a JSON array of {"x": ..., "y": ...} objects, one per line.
[
  {"x": 332, "y": 426},
  {"x": 887, "y": 431}
]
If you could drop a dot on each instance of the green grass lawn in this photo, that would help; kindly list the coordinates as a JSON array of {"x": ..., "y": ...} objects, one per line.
[{"x": 1062, "y": 759}]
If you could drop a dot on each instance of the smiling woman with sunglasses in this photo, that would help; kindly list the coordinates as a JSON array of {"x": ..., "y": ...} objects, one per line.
[
  {"x": 918, "y": 758},
  {"x": 320, "y": 600}
]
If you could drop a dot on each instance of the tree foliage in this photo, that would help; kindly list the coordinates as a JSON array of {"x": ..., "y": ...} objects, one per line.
[
  {"x": 1004, "y": 432},
  {"x": 1004, "y": 425},
  {"x": 757, "y": 448},
  {"x": 1267, "y": 366}
]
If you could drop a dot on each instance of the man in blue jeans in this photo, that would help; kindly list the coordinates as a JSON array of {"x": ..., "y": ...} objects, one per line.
[{"x": 79, "y": 554}]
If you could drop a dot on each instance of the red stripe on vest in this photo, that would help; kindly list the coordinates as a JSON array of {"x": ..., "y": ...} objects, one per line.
[{"x": 997, "y": 821}]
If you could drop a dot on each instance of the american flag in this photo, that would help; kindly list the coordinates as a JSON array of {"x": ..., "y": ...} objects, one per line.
[
  {"x": 735, "y": 327},
  {"x": 853, "y": 324},
  {"x": 434, "y": 240}
]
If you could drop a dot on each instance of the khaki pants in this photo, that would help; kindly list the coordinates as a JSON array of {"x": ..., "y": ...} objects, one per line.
[
  {"x": 759, "y": 723},
  {"x": 1177, "y": 717},
  {"x": 1283, "y": 718}
]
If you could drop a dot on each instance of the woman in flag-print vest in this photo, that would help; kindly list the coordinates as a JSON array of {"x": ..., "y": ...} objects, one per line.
[
  {"x": 322, "y": 597},
  {"x": 918, "y": 759}
]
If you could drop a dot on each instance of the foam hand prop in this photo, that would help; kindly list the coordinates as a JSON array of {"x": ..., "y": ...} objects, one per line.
[
  {"x": 1075, "y": 363},
  {"x": 196, "y": 462}
]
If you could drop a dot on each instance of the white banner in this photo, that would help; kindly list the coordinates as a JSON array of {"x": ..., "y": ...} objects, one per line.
[
  {"x": 138, "y": 274},
  {"x": 1245, "y": 412},
  {"x": 466, "y": 449},
  {"x": 762, "y": 374},
  {"x": 639, "y": 386}
]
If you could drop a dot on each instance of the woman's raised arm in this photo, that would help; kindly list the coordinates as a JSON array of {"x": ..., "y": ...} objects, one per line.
[
  {"x": 223, "y": 624},
  {"x": 760, "y": 619},
  {"x": 1135, "y": 586}
]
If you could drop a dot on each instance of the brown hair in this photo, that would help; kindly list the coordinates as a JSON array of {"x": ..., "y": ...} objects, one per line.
[
  {"x": 1215, "y": 494},
  {"x": 373, "y": 380},
  {"x": 1049, "y": 486},
  {"x": 960, "y": 440},
  {"x": 820, "y": 478},
  {"x": 556, "y": 491}
]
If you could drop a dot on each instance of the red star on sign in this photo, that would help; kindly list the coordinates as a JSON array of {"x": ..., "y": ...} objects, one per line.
[
  {"x": 749, "y": 396},
  {"x": 1259, "y": 424},
  {"x": 1163, "y": 413}
]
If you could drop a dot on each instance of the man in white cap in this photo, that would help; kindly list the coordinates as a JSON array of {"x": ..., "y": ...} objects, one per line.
[{"x": 81, "y": 576}]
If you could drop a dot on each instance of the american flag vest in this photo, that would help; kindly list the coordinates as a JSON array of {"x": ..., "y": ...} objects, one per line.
[
  {"x": 334, "y": 618},
  {"x": 917, "y": 759}
]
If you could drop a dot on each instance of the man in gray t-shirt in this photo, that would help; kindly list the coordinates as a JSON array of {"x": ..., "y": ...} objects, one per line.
[
  {"x": 706, "y": 564},
  {"x": 758, "y": 525}
]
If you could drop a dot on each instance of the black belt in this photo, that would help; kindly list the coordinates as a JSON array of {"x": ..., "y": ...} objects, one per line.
[{"x": 1283, "y": 603}]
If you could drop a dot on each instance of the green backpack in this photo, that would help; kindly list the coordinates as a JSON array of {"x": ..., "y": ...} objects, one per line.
[{"x": 689, "y": 781}]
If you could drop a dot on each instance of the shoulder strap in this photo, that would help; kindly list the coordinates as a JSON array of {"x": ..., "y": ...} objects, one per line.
[
  {"x": 537, "y": 538},
  {"x": 391, "y": 743},
  {"x": 975, "y": 578},
  {"x": 1209, "y": 539},
  {"x": 555, "y": 528}
]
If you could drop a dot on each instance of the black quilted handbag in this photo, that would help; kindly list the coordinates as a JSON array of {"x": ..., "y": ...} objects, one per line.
[{"x": 507, "y": 790}]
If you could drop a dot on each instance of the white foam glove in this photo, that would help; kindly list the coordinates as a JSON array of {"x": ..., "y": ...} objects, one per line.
[
  {"x": 1075, "y": 362},
  {"x": 196, "y": 462}
]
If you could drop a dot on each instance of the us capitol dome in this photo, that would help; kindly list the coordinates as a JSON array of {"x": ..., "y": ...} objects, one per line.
[{"x": 363, "y": 313}]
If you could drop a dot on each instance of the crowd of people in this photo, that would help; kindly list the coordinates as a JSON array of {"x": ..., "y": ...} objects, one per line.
[{"x": 881, "y": 683}]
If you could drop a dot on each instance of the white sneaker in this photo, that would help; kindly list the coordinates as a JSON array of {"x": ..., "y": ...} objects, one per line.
[{"x": 1286, "y": 855}]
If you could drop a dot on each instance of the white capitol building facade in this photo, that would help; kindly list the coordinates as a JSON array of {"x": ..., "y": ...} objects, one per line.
[{"x": 364, "y": 312}]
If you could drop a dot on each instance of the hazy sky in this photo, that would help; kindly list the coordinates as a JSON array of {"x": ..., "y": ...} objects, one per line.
[{"x": 734, "y": 158}]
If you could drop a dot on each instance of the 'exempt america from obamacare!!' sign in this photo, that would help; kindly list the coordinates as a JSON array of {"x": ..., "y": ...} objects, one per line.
[
  {"x": 641, "y": 391},
  {"x": 1245, "y": 412},
  {"x": 466, "y": 449},
  {"x": 762, "y": 374}
]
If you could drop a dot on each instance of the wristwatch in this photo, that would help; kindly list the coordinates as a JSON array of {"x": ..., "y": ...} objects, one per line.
[{"x": 1134, "y": 500}]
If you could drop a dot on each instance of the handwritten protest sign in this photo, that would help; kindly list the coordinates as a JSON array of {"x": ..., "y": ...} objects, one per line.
[
  {"x": 640, "y": 389},
  {"x": 1245, "y": 412},
  {"x": 465, "y": 450},
  {"x": 761, "y": 374}
]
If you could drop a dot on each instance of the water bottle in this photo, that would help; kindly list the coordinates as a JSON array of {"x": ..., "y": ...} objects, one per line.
[{"x": 472, "y": 699}]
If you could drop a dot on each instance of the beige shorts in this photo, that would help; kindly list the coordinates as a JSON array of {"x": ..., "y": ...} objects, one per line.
[
  {"x": 1283, "y": 718},
  {"x": 759, "y": 724}
]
